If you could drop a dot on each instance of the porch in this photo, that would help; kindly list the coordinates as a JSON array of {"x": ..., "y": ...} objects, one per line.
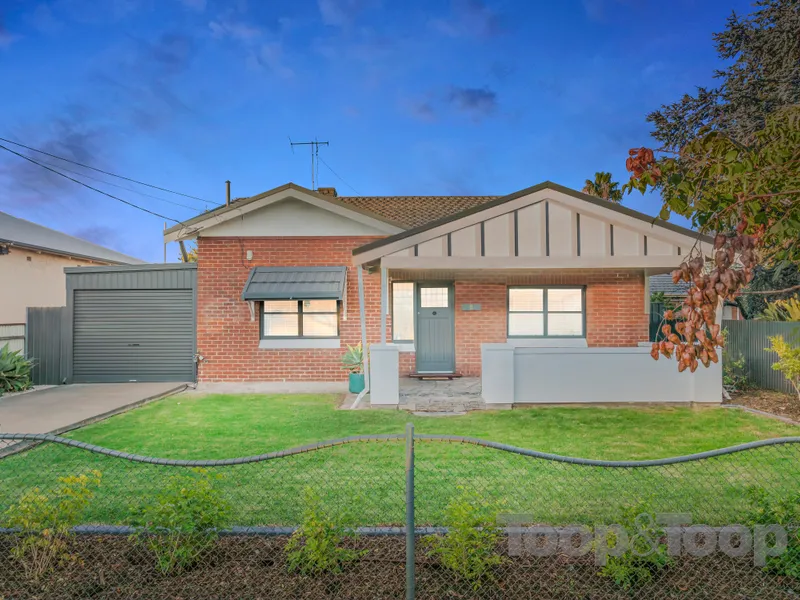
[
  {"x": 542, "y": 294},
  {"x": 431, "y": 396}
]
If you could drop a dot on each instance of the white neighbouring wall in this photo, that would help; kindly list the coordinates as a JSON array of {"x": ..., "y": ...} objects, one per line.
[
  {"x": 32, "y": 279},
  {"x": 592, "y": 375}
]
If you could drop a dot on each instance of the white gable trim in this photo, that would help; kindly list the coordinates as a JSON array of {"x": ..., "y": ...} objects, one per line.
[
  {"x": 240, "y": 211},
  {"x": 630, "y": 234}
]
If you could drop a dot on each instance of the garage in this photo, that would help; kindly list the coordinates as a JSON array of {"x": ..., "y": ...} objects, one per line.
[{"x": 131, "y": 323}]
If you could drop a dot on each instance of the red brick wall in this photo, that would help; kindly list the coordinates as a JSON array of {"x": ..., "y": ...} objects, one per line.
[
  {"x": 614, "y": 310},
  {"x": 228, "y": 339}
]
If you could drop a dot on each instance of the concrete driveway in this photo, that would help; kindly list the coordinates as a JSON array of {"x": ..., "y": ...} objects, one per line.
[{"x": 65, "y": 407}]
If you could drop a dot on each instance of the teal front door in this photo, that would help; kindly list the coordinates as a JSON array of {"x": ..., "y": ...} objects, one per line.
[{"x": 436, "y": 346}]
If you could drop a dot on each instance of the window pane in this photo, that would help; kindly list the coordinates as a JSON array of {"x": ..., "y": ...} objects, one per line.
[
  {"x": 565, "y": 324},
  {"x": 430, "y": 297},
  {"x": 525, "y": 299},
  {"x": 319, "y": 325},
  {"x": 403, "y": 311},
  {"x": 319, "y": 306},
  {"x": 526, "y": 324},
  {"x": 280, "y": 306},
  {"x": 561, "y": 299},
  {"x": 280, "y": 325}
]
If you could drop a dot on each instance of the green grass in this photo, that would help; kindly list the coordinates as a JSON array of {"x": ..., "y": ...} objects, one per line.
[{"x": 364, "y": 482}]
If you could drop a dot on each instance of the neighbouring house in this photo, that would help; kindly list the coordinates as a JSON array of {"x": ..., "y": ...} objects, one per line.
[
  {"x": 674, "y": 293},
  {"x": 32, "y": 262},
  {"x": 543, "y": 293}
]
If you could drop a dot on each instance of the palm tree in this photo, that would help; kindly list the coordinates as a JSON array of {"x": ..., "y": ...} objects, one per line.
[{"x": 603, "y": 187}]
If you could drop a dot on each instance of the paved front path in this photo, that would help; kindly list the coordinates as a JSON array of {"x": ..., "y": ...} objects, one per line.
[{"x": 65, "y": 407}]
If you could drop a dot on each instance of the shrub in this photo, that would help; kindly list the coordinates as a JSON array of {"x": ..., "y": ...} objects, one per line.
[
  {"x": 788, "y": 360},
  {"x": 785, "y": 511},
  {"x": 469, "y": 548},
  {"x": 183, "y": 521},
  {"x": 15, "y": 371},
  {"x": 45, "y": 521},
  {"x": 734, "y": 373},
  {"x": 782, "y": 310},
  {"x": 646, "y": 553},
  {"x": 353, "y": 359},
  {"x": 316, "y": 546}
]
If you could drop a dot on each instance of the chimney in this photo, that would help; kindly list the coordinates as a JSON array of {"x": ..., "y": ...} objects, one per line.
[
  {"x": 227, "y": 193},
  {"x": 327, "y": 191}
]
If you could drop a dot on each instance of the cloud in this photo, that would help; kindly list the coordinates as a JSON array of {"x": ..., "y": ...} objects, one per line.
[
  {"x": 595, "y": 9},
  {"x": 476, "y": 101},
  {"x": 169, "y": 54},
  {"x": 471, "y": 19},
  {"x": 270, "y": 57},
  {"x": 198, "y": 5},
  {"x": 42, "y": 19},
  {"x": 236, "y": 30},
  {"x": 340, "y": 13},
  {"x": 98, "y": 234},
  {"x": 420, "y": 109},
  {"x": 69, "y": 135},
  {"x": 6, "y": 37},
  {"x": 141, "y": 83}
]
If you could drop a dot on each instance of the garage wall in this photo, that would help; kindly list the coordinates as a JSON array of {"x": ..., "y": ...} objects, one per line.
[{"x": 165, "y": 277}]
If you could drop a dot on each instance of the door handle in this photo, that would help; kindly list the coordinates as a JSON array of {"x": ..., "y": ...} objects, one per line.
[{"x": 134, "y": 345}]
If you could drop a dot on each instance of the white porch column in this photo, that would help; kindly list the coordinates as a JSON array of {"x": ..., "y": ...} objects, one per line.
[
  {"x": 384, "y": 301},
  {"x": 497, "y": 374},
  {"x": 385, "y": 380},
  {"x": 363, "y": 316}
]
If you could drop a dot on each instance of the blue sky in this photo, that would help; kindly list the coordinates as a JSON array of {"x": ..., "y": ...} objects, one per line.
[{"x": 415, "y": 97}]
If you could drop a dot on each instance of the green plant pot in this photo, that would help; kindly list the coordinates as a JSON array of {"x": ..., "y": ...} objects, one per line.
[{"x": 356, "y": 383}]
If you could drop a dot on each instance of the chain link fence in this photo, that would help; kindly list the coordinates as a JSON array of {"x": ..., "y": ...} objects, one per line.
[{"x": 397, "y": 516}]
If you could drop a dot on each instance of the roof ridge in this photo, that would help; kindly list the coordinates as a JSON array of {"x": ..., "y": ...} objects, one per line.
[{"x": 430, "y": 196}]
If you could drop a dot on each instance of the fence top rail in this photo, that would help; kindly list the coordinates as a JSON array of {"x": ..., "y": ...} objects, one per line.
[
  {"x": 657, "y": 462},
  {"x": 46, "y": 437}
]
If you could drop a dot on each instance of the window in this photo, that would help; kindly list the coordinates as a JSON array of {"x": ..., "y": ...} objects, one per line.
[
  {"x": 545, "y": 312},
  {"x": 402, "y": 311},
  {"x": 433, "y": 297},
  {"x": 299, "y": 318}
]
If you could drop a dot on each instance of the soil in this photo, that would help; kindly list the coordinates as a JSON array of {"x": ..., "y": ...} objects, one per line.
[
  {"x": 255, "y": 567},
  {"x": 777, "y": 403}
]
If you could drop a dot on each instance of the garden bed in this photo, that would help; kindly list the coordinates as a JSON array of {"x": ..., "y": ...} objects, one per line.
[
  {"x": 255, "y": 567},
  {"x": 773, "y": 402}
]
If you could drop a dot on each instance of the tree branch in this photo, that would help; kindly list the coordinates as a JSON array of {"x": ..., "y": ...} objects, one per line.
[{"x": 794, "y": 288}]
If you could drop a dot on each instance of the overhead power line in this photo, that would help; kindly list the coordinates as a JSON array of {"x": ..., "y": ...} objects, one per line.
[
  {"x": 85, "y": 166},
  {"x": 339, "y": 176},
  {"x": 86, "y": 185},
  {"x": 122, "y": 187}
]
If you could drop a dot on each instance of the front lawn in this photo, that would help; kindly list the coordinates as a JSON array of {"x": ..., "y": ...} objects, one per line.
[{"x": 364, "y": 482}]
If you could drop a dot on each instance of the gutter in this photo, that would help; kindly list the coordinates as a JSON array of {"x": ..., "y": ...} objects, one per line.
[{"x": 55, "y": 252}]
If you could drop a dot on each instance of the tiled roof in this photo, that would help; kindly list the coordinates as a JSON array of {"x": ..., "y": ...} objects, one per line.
[
  {"x": 663, "y": 283},
  {"x": 413, "y": 211}
]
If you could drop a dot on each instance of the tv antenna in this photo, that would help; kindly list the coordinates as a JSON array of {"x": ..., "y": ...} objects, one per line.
[{"x": 315, "y": 144}]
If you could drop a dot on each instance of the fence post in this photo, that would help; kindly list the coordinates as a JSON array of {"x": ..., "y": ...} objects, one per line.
[{"x": 410, "y": 578}]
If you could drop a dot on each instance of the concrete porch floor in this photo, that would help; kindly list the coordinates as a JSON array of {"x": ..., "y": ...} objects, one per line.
[{"x": 445, "y": 396}]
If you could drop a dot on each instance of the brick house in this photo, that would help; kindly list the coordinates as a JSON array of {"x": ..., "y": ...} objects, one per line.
[{"x": 288, "y": 278}]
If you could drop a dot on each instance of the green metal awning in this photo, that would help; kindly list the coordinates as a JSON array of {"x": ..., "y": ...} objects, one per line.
[{"x": 295, "y": 283}]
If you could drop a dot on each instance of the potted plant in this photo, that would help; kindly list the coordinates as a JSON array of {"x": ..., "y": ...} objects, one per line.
[{"x": 353, "y": 361}]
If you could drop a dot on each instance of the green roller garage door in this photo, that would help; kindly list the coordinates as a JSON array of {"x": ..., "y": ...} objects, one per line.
[{"x": 133, "y": 335}]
